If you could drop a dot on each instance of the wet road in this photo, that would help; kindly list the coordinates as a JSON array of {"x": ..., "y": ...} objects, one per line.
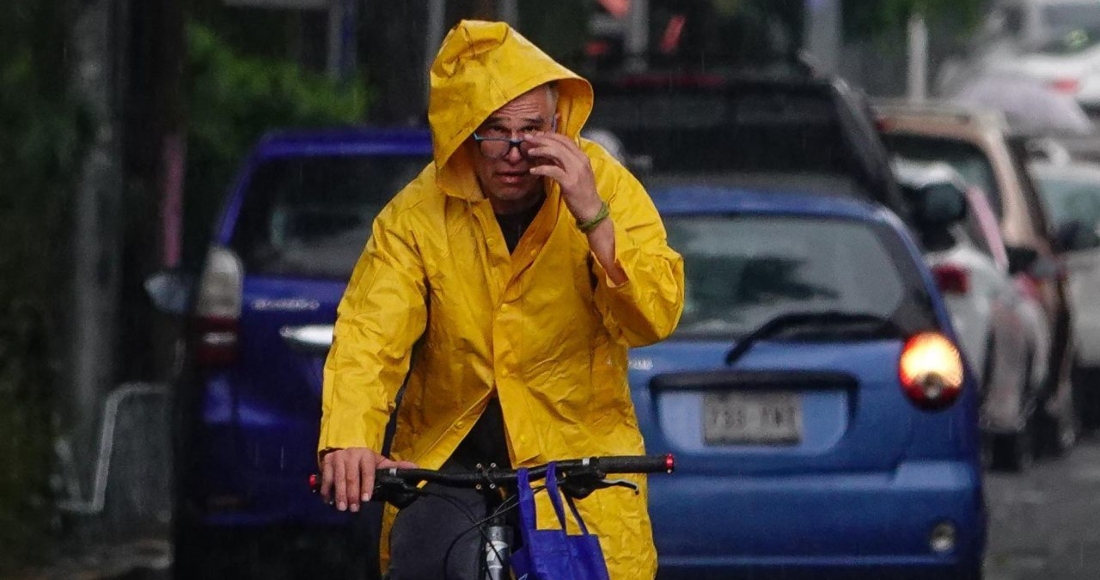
[{"x": 1045, "y": 523}]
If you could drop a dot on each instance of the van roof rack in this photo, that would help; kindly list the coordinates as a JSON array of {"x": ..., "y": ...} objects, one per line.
[{"x": 943, "y": 110}]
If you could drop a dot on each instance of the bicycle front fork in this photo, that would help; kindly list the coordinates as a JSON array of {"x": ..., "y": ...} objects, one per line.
[{"x": 498, "y": 551}]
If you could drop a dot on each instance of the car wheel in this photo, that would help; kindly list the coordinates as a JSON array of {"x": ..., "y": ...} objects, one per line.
[
  {"x": 1015, "y": 452},
  {"x": 1056, "y": 434},
  {"x": 190, "y": 552},
  {"x": 1086, "y": 387}
]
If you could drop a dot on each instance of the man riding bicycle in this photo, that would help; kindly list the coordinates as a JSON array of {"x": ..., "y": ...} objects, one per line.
[{"x": 502, "y": 288}]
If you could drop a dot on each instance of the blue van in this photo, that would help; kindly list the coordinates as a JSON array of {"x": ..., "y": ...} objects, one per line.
[{"x": 259, "y": 325}]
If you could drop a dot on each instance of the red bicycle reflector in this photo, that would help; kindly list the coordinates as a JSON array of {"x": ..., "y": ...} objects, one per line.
[
  {"x": 951, "y": 278},
  {"x": 313, "y": 483},
  {"x": 931, "y": 371},
  {"x": 670, "y": 463}
]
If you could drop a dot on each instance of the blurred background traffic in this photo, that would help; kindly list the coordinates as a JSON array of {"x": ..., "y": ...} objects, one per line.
[{"x": 129, "y": 129}]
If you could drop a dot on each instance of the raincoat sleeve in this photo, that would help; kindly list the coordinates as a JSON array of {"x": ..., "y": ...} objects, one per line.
[
  {"x": 646, "y": 308},
  {"x": 381, "y": 315}
]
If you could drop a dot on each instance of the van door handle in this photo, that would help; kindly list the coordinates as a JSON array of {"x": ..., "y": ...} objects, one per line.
[{"x": 311, "y": 338}]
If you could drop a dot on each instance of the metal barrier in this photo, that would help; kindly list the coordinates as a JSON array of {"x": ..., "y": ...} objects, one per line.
[{"x": 94, "y": 504}]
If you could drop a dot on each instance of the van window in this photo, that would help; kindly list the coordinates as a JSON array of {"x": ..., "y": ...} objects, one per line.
[
  {"x": 970, "y": 161},
  {"x": 311, "y": 216}
]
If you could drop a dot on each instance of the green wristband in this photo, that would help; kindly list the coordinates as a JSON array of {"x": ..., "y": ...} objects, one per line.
[{"x": 588, "y": 226}]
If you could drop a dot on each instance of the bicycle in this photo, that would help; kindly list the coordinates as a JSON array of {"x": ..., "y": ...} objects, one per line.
[{"x": 578, "y": 478}]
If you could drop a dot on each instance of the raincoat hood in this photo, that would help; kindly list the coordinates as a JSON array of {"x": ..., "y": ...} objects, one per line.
[{"x": 480, "y": 67}]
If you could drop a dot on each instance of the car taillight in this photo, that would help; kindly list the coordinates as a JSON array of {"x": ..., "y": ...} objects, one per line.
[
  {"x": 951, "y": 279},
  {"x": 218, "y": 309},
  {"x": 931, "y": 370},
  {"x": 1067, "y": 85}
]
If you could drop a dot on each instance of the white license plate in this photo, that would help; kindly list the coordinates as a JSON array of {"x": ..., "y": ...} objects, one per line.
[{"x": 756, "y": 418}]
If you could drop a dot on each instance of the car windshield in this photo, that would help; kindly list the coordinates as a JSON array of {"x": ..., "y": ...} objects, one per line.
[
  {"x": 742, "y": 271},
  {"x": 971, "y": 162},
  {"x": 1072, "y": 42},
  {"x": 1068, "y": 198},
  {"x": 310, "y": 216},
  {"x": 1065, "y": 19}
]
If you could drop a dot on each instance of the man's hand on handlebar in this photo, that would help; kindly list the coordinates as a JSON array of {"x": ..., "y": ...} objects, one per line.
[{"x": 347, "y": 475}]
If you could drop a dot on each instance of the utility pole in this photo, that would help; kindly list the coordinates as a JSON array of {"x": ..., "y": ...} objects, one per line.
[
  {"x": 342, "y": 18},
  {"x": 823, "y": 33},
  {"x": 636, "y": 39},
  {"x": 917, "y": 34},
  {"x": 398, "y": 49},
  {"x": 96, "y": 235}
]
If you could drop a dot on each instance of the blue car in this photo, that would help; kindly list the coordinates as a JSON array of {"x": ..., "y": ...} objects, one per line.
[
  {"x": 822, "y": 418},
  {"x": 260, "y": 324}
]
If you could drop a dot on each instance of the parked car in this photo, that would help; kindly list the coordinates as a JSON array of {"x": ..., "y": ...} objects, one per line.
[
  {"x": 1072, "y": 193},
  {"x": 260, "y": 323},
  {"x": 822, "y": 418},
  {"x": 979, "y": 146},
  {"x": 998, "y": 317}
]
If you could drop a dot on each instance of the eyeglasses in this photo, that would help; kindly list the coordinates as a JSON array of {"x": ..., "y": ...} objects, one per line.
[{"x": 500, "y": 147}]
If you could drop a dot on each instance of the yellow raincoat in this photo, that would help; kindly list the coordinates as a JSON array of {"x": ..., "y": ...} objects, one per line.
[{"x": 436, "y": 296}]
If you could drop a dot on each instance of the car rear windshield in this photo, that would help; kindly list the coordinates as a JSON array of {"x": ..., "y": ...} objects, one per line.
[
  {"x": 311, "y": 216},
  {"x": 970, "y": 161},
  {"x": 744, "y": 270},
  {"x": 1062, "y": 19},
  {"x": 723, "y": 131}
]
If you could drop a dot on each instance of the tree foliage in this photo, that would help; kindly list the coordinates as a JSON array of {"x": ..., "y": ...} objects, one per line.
[
  {"x": 233, "y": 100},
  {"x": 864, "y": 20},
  {"x": 42, "y": 133}
]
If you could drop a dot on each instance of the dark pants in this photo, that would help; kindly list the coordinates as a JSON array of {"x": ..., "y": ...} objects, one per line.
[
  {"x": 433, "y": 539},
  {"x": 436, "y": 538}
]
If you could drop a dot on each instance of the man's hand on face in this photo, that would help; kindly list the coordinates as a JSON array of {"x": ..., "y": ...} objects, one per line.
[
  {"x": 347, "y": 475},
  {"x": 564, "y": 162}
]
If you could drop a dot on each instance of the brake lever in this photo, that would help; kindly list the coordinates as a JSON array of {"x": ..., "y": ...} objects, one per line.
[
  {"x": 605, "y": 483},
  {"x": 394, "y": 491},
  {"x": 582, "y": 487}
]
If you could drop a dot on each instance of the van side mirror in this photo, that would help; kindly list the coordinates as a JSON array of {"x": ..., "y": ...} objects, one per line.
[
  {"x": 170, "y": 291},
  {"x": 938, "y": 205},
  {"x": 1075, "y": 235},
  {"x": 1021, "y": 259}
]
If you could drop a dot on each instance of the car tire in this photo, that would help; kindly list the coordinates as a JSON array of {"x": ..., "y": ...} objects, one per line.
[
  {"x": 191, "y": 554},
  {"x": 1086, "y": 386},
  {"x": 1015, "y": 452},
  {"x": 1055, "y": 435}
]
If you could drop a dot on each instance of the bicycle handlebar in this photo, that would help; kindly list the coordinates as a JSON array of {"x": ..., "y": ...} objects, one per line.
[{"x": 588, "y": 468}]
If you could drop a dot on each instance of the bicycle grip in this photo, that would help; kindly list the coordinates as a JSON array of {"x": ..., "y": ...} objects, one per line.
[{"x": 637, "y": 463}]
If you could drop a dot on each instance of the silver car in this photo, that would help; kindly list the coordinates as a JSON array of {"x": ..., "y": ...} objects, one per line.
[{"x": 1072, "y": 194}]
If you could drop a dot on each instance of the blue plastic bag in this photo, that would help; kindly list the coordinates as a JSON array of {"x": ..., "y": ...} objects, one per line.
[{"x": 554, "y": 554}]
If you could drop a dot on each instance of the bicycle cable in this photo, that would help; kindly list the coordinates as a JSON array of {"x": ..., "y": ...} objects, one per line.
[{"x": 510, "y": 503}]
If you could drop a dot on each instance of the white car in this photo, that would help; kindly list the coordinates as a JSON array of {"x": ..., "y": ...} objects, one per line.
[
  {"x": 1056, "y": 42},
  {"x": 999, "y": 320},
  {"x": 1072, "y": 195}
]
